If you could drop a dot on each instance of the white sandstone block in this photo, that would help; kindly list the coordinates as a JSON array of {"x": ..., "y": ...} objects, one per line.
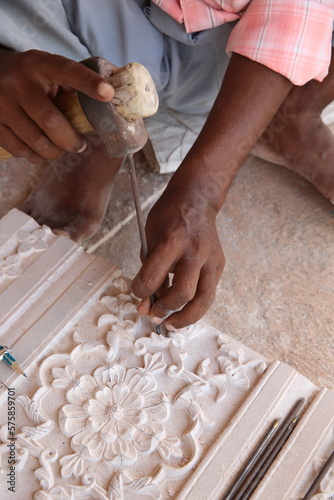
[{"x": 111, "y": 410}]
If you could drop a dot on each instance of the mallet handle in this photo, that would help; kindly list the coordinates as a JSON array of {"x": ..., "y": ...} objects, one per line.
[
  {"x": 135, "y": 97},
  {"x": 68, "y": 103}
]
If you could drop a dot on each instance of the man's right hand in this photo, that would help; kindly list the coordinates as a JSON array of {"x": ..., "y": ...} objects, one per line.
[{"x": 31, "y": 126}]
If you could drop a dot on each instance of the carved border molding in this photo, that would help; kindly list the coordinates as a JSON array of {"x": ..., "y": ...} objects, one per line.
[{"x": 111, "y": 410}]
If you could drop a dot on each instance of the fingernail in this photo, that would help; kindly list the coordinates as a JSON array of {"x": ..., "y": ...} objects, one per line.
[
  {"x": 141, "y": 307},
  {"x": 139, "y": 310},
  {"x": 170, "y": 327},
  {"x": 105, "y": 90},
  {"x": 82, "y": 147},
  {"x": 157, "y": 320}
]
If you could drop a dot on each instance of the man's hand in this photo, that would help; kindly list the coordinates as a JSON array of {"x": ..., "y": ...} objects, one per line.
[
  {"x": 181, "y": 228},
  {"x": 30, "y": 124},
  {"x": 182, "y": 239}
]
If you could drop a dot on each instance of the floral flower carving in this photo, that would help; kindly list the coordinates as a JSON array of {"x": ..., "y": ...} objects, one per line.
[
  {"x": 114, "y": 414},
  {"x": 10, "y": 267},
  {"x": 32, "y": 242}
]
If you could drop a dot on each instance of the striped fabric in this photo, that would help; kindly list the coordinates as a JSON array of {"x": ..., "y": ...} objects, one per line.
[{"x": 292, "y": 37}]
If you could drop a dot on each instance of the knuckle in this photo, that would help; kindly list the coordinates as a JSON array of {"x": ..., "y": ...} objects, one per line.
[
  {"x": 142, "y": 286},
  {"x": 160, "y": 310},
  {"x": 207, "y": 298},
  {"x": 69, "y": 68},
  {"x": 21, "y": 151},
  {"x": 41, "y": 144},
  {"x": 66, "y": 66},
  {"x": 181, "y": 296},
  {"x": 50, "y": 118},
  {"x": 12, "y": 82},
  {"x": 16, "y": 67},
  {"x": 32, "y": 55},
  {"x": 195, "y": 257},
  {"x": 29, "y": 61},
  {"x": 184, "y": 318},
  {"x": 45, "y": 148}
]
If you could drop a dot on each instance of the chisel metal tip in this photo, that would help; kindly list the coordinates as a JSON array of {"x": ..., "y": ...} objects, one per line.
[{"x": 157, "y": 329}]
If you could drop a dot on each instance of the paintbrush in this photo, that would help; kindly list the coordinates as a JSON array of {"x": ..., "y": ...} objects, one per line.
[
  {"x": 266, "y": 455},
  {"x": 266, "y": 466},
  {"x": 252, "y": 460},
  {"x": 7, "y": 357},
  {"x": 316, "y": 483}
]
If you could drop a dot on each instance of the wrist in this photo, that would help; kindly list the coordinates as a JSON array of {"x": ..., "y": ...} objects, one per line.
[
  {"x": 205, "y": 178},
  {"x": 197, "y": 192}
]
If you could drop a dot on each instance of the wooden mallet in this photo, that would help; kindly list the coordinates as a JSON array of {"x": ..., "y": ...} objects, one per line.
[{"x": 120, "y": 121}]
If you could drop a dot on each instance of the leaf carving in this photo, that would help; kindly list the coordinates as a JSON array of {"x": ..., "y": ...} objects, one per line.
[
  {"x": 191, "y": 390},
  {"x": 154, "y": 363},
  {"x": 115, "y": 488},
  {"x": 31, "y": 408},
  {"x": 39, "y": 430},
  {"x": 170, "y": 448},
  {"x": 72, "y": 465},
  {"x": 142, "y": 486},
  {"x": 45, "y": 473}
]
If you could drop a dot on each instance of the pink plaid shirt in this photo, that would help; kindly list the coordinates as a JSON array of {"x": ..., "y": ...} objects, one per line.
[{"x": 292, "y": 37}]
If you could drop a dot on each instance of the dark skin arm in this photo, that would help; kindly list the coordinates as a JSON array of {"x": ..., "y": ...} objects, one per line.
[
  {"x": 181, "y": 229},
  {"x": 31, "y": 126}
]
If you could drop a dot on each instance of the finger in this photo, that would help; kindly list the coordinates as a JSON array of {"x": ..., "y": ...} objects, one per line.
[
  {"x": 154, "y": 271},
  {"x": 52, "y": 122},
  {"x": 183, "y": 289},
  {"x": 30, "y": 133},
  {"x": 199, "y": 305},
  {"x": 144, "y": 306},
  {"x": 11, "y": 143},
  {"x": 64, "y": 71}
]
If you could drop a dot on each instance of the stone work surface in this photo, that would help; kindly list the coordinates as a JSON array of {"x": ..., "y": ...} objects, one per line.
[
  {"x": 276, "y": 292},
  {"x": 17, "y": 178},
  {"x": 111, "y": 410}
]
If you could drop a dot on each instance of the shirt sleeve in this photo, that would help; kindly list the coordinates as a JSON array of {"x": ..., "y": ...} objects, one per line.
[
  {"x": 291, "y": 37},
  {"x": 38, "y": 24}
]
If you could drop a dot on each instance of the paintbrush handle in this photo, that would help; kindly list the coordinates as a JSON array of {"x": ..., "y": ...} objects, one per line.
[
  {"x": 261, "y": 472},
  {"x": 316, "y": 483},
  {"x": 251, "y": 461},
  {"x": 267, "y": 452}
]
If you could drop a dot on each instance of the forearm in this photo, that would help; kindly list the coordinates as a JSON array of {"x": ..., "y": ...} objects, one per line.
[
  {"x": 181, "y": 230},
  {"x": 248, "y": 99}
]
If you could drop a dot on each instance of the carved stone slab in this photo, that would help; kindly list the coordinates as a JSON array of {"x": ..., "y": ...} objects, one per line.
[{"x": 110, "y": 410}]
